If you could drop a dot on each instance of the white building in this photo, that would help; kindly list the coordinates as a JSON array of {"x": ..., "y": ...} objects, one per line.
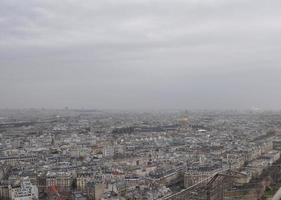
[
  {"x": 108, "y": 151},
  {"x": 26, "y": 191}
]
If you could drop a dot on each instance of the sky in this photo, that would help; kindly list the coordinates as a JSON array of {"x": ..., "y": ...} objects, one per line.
[{"x": 140, "y": 54}]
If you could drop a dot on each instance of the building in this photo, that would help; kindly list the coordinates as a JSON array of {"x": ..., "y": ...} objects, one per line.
[
  {"x": 26, "y": 191},
  {"x": 82, "y": 179}
]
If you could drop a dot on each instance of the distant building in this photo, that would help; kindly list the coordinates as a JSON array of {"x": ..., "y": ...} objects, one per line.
[
  {"x": 26, "y": 191},
  {"x": 60, "y": 179},
  {"x": 82, "y": 179},
  {"x": 108, "y": 151}
]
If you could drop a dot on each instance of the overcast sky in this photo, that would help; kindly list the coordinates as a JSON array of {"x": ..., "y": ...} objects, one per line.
[{"x": 140, "y": 54}]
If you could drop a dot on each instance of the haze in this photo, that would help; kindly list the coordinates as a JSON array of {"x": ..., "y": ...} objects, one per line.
[{"x": 140, "y": 54}]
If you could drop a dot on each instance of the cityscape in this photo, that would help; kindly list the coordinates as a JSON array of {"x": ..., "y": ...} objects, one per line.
[
  {"x": 140, "y": 100},
  {"x": 95, "y": 154}
]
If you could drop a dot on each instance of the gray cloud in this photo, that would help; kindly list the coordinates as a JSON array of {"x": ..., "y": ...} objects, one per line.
[{"x": 140, "y": 54}]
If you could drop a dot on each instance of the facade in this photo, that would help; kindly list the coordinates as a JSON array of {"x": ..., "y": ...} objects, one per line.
[
  {"x": 59, "y": 179},
  {"x": 4, "y": 192},
  {"x": 82, "y": 180},
  {"x": 108, "y": 151},
  {"x": 26, "y": 191}
]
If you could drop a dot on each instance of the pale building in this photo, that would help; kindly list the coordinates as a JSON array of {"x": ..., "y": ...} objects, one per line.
[{"x": 26, "y": 191}]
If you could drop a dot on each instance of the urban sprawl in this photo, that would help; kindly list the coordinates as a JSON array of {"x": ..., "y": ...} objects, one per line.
[{"x": 93, "y": 154}]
